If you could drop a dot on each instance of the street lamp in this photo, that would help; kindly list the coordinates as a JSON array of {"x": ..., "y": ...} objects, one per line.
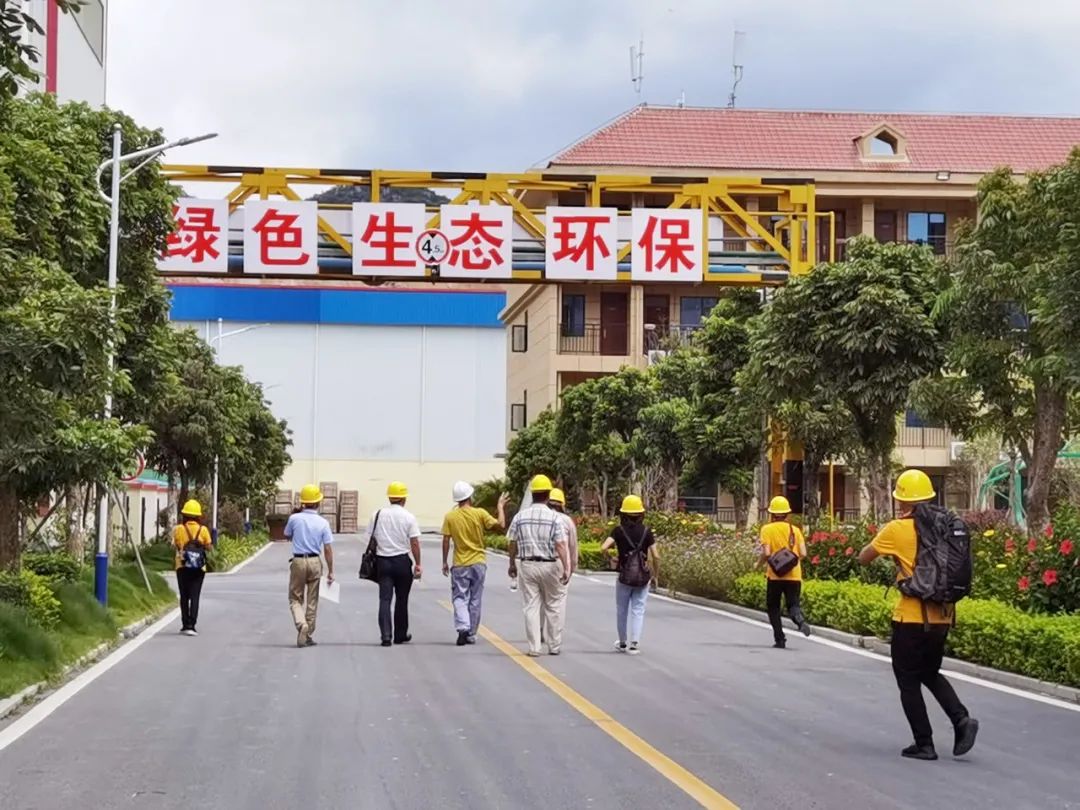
[
  {"x": 112, "y": 199},
  {"x": 214, "y": 491}
]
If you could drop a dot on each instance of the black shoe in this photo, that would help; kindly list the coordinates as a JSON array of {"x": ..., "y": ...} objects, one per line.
[
  {"x": 462, "y": 638},
  {"x": 779, "y": 645},
  {"x": 926, "y": 752},
  {"x": 405, "y": 640},
  {"x": 311, "y": 642},
  {"x": 386, "y": 642},
  {"x": 804, "y": 628},
  {"x": 966, "y": 730}
]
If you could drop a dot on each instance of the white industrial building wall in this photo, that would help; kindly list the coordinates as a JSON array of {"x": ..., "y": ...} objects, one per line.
[{"x": 371, "y": 404}]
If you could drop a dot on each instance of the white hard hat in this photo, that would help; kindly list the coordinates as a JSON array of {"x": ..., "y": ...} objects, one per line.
[{"x": 462, "y": 491}]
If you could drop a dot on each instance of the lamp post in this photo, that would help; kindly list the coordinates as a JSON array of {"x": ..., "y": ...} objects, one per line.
[
  {"x": 112, "y": 199},
  {"x": 214, "y": 490}
]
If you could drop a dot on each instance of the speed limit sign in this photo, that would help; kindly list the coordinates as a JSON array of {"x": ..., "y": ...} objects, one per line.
[{"x": 432, "y": 247}]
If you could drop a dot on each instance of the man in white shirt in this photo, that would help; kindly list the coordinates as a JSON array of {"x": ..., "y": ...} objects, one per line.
[
  {"x": 310, "y": 534},
  {"x": 396, "y": 534},
  {"x": 538, "y": 542}
]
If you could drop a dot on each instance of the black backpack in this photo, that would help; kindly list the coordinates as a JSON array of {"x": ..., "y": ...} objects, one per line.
[
  {"x": 193, "y": 555},
  {"x": 634, "y": 568},
  {"x": 943, "y": 566}
]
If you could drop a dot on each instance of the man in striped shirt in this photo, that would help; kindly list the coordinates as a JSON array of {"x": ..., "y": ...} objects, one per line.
[{"x": 538, "y": 543}]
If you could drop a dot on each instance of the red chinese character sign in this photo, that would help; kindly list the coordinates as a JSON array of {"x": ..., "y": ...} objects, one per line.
[
  {"x": 200, "y": 242},
  {"x": 384, "y": 239},
  {"x": 667, "y": 245},
  {"x": 481, "y": 241},
  {"x": 281, "y": 236},
  {"x": 581, "y": 244}
]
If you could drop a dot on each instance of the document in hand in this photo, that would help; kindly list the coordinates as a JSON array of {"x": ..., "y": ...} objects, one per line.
[{"x": 330, "y": 591}]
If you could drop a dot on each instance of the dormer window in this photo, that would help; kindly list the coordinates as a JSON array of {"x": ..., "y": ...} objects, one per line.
[{"x": 882, "y": 143}]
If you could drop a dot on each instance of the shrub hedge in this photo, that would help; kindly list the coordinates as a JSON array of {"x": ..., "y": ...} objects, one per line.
[{"x": 987, "y": 631}]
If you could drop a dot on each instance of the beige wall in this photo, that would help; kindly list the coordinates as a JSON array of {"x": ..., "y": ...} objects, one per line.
[{"x": 429, "y": 483}]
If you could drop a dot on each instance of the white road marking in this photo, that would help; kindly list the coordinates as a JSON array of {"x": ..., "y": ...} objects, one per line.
[
  {"x": 62, "y": 695},
  {"x": 836, "y": 645}
]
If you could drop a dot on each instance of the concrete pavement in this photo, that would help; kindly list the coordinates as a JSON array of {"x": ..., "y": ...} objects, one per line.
[{"x": 240, "y": 718}]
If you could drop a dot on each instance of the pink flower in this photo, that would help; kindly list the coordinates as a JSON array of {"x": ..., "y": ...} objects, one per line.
[
  {"x": 1010, "y": 546},
  {"x": 832, "y": 551},
  {"x": 1049, "y": 577},
  {"x": 872, "y": 528},
  {"x": 848, "y": 551},
  {"x": 815, "y": 560},
  {"x": 1066, "y": 547},
  {"x": 1049, "y": 531},
  {"x": 1023, "y": 583},
  {"x": 1032, "y": 545}
]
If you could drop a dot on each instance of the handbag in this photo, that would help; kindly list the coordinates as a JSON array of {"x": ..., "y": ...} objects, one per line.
[
  {"x": 369, "y": 562},
  {"x": 782, "y": 561}
]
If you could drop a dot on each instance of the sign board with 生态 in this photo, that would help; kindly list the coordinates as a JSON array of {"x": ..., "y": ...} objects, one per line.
[
  {"x": 200, "y": 241},
  {"x": 480, "y": 239},
  {"x": 581, "y": 244},
  {"x": 668, "y": 244},
  {"x": 281, "y": 236},
  {"x": 384, "y": 239},
  {"x": 432, "y": 247}
]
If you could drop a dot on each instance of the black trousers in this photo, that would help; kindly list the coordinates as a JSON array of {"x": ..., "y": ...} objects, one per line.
[
  {"x": 917, "y": 651},
  {"x": 189, "y": 581},
  {"x": 395, "y": 580},
  {"x": 789, "y": 589}
]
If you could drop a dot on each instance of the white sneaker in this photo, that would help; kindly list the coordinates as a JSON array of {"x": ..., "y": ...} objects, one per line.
[
  {"x": 193, "y": 632},
  {"x": 186, "y": 632},
  {"x": 620, "y": 646},
  {"x": 633, "y": 649}
]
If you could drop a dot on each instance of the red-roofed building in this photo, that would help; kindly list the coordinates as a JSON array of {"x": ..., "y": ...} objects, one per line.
[{"x": 893, "y": 176}]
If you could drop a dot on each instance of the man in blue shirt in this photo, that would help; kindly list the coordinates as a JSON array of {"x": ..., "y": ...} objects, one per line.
[{"x": 310, "y": 534}]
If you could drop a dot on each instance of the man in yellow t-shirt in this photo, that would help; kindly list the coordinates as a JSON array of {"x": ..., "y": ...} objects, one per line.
[
  {"x": 919, "y": 628},
  {"x": 465, "y": 526},
  {"x": 779, "y": 533}
]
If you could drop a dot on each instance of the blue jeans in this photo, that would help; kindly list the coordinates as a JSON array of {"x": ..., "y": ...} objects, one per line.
[
  {"x": 466, "y": 591},
  {"x": 630, "y": 602}
]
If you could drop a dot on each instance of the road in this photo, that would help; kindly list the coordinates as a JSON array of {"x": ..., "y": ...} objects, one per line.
[{"x": 709, "y": 714}]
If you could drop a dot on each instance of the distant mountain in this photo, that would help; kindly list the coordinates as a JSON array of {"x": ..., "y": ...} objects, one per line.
[{"x": 344, "y": 195}]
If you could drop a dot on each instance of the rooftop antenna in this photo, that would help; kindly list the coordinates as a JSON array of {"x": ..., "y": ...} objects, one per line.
[
  {"x": 637, "y": 65},
  {"x": 737, "y": 43},
  {"x": 680, "y": 102}
]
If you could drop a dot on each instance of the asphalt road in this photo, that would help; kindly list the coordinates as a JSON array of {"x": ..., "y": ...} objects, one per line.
[{"x": 240, "y": 718}]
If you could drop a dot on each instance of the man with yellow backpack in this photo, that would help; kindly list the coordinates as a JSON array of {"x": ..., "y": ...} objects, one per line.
[{"x": 192, "y": 542}]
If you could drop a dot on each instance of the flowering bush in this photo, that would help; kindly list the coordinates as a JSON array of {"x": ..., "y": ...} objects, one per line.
[
  {"x": 835, "y": 555},
  {"x": 706, "y": 565}
]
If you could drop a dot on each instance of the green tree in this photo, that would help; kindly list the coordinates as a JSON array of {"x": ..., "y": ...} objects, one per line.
[
  {"x": 256, "y": 452},
  {"x": 856, "y": 333},
  {"x": 535, "y": 449},
  {"x": 1012, "y": 318}
]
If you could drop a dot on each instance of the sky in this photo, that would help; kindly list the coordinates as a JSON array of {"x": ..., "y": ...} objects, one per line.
[{"x": 503, "y": 85}]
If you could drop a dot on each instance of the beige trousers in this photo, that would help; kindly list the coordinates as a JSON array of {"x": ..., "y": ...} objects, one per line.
[
  {"x": 304, "y": 573},
  {"x": 542, "y": 592}
]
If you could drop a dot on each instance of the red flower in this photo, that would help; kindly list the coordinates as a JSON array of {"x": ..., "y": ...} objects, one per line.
[
  {"x": 1023, "y": 583},
  {"x": 872, "y": 528},
  {"x": 1032, "y": 545},
  {"x": 817, "y": 537},
  {"x": 832, "y": 551},
  {"x": 1066, "y": 547},
  {"x": 1049, "y": 577},
  {"x": 848, "y": 551},
  {"x": 1010, "y": 546},
  {"x": 1049, "y": 531},
  {"x": 815, "y": 560}
]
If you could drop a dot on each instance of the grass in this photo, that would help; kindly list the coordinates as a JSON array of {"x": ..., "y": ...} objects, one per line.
[{"x": 29, "y": 654}]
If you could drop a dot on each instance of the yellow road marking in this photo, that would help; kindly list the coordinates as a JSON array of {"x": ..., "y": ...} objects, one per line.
[{"x": 675, "y": 773}]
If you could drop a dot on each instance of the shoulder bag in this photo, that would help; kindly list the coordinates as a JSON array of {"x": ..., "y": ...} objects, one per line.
[
  {"x": 782, "y": 561},
  {"x": 369, "y": 562}
]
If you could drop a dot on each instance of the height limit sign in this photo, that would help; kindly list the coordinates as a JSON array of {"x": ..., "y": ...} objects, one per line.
[{"x": 432, "y": 247}]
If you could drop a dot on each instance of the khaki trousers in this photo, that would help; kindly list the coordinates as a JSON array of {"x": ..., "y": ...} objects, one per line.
[
  {"x": 542, "y": 592},
  {"x": 304, "y": 573}
]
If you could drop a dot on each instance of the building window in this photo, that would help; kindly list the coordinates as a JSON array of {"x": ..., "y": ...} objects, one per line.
[
  {"x": 90, "y": 17},
  {"x": 927, "y": 228},
  {"x": 519, "y": 338},
  {"x": 694, "y": 310},
  {"x": 884, "y": 144},
  {"x": 517, "y": 416},
  {"x": 573, "y": 315},
  {"x": 913, "y": 419}
]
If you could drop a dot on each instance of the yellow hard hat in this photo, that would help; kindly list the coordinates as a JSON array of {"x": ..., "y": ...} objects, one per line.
[
  {"x": 192, "y": 509},
  {"x": 541, "y": 483},
  {"x": 913, "y": 486},
  {"x": 632, "y": 505},
  {"x": 558, "y": 496},
  {"x": 310, "y": 493},
  {"x": 779, "y": 506},
  {"x": 397, "y": 490}
]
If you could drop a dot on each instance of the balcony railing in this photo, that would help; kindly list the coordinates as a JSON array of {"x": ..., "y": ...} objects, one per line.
[
  {"x": 922, "y": 437},
  {"x": 667, "y": 337},
  {"x": 594, "y": 339}
]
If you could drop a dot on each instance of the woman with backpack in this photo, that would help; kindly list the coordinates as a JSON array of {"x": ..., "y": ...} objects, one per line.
[
  {"x": 192, "y": 542},
  {"x": 782, "y": 550},
  {"x": 637, "y": 565}
]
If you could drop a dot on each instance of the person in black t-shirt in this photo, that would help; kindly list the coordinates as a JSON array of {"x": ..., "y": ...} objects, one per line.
[{"x": 637, "y": 566}]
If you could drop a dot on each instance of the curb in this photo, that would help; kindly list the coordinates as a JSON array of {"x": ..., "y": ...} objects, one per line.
[
  {"x": 881, "y": 647},
  {"x": 9, "y": 705}
]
